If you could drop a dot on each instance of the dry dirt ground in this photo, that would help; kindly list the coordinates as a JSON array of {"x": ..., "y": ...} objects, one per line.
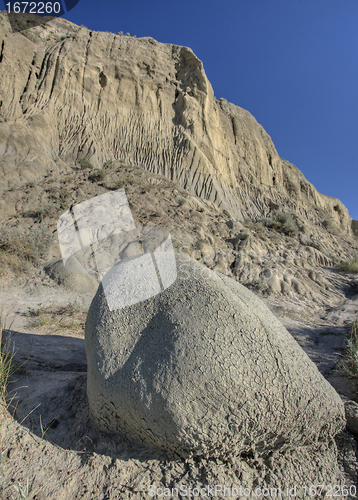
[{"x": 50, "y": 449}]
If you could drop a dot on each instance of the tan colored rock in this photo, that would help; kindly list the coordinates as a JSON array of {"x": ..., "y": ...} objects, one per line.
[{"x": 102, "y": 96}]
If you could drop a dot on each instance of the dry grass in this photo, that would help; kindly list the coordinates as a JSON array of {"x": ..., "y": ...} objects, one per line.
[
  {"x": 68, "y": 318},
  {"x": 350, "y": 366},
  {"x": 349, "y": 266},
  {"x": 6, "y": 356},
  {"x": 18, "y": 249}
]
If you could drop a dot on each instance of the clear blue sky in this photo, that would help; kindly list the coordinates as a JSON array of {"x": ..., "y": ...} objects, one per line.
[{"x": 292, "y": 63}]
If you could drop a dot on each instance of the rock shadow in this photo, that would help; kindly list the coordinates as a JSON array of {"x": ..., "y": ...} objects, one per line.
[{"x": 48, "y": 396}]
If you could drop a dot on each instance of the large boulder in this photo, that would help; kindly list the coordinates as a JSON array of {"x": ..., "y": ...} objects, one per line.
[{"x": 205, "y": 369}]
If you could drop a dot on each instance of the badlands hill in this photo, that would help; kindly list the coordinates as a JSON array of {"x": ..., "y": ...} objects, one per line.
[
  {"x": 69, "y": 94},
  {"x": 84, "y": 113}
]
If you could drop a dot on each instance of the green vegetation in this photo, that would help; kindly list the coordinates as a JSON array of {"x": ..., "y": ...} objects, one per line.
[
  {"x": 84, "y": 164},
  {"x": 70, "y": 317},
  {"x": 6, "y": 357},
  {"x": 280, "y": 221},
  {"x": 97, "y": 175},
  {"x": 18, "y": 248},
  {"x": 199, "y": 244},
  {"x": 117, "y": 185},
  {"x": 350, "y": 265},
  {"x": 181, "y": 201},
  {"x": 350, "y": 366},
  {"x": 39, "y": 213}
]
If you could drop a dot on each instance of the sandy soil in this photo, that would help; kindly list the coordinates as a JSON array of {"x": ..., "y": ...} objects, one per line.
[{"x": 51, "y": 450}]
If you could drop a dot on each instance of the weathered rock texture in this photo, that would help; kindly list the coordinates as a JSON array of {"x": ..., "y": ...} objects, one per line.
[
  {"x": 69, "y": 93},
  {"x": 205, "y": 369}
]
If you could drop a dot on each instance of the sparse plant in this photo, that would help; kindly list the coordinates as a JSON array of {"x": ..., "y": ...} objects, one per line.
[
  {"x": 43, "y": 321},
  {"x": 289, "y": 225},
  {"x": 118, "y": 185},
  {"x": 350, "y": 366},
  {"x": 63, "y": 193},
  {"x": 39, "y": 213},
  {"x": 97, "y": 175},
  {"x": 350, "y": 265},
  {"x": 199, "y": 244},
  {"x": 181, "y": 201},
  {"x": 6, "y": 355},
  {"x": 35, "y": 312},
  {"x": 22, "y": 491},
  {"x": 84, "y": 164},
  {"x": 19, "y": 248},
  {"x": 270, "y": 223}
]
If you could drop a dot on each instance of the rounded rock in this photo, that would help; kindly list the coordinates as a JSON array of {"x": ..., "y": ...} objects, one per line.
[{"x": 204, "y": 369}]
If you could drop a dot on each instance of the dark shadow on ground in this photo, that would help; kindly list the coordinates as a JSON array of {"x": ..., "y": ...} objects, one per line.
[{"x": 47, "y": 395}]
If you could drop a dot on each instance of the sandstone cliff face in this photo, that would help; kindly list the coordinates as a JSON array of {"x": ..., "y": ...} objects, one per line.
[{"x": 70, "y": 93}]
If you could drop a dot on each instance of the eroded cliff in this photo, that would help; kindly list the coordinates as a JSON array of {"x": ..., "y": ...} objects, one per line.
[{"x": 68, "y": 94}]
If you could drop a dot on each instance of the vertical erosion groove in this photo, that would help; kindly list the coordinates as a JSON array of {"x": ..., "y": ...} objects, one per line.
[{"x": 2, "y": 50}]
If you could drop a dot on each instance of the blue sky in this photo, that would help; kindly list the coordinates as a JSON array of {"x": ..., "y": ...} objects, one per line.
[{"x": 292, "y": 63}]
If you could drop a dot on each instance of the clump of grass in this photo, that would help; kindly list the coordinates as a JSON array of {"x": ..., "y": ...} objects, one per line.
[
  {"x": 181, "y": 201},
  {"x": 350, "y": 366},
  {"x": 288, "y": 223},
  {"x": 118, "y": 185},
  {"x": 35, "y": 312},
  {"x": 6, "y": 357},
  {"x": 280, "y": 221},
  {"x": 199, "y": 244},
  {"x": 69, "y": 317},
  {"x": 97, "y": 175},
  {"x": 43, "y": 321},
  {"x": 350, "y": 265},
  {"x": 39, "y": 213},
  {"x": 84, "y": 164},
  {"x": 18, "y": 248},
  {"x": 270, "y": 223}
]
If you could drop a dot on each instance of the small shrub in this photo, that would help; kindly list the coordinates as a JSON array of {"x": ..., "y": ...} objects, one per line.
[
  {"x": 43, "y": 321},
  {"x": 289, "y": 225},
  {"x": 350, "y": 366},
  {"x": 270, "y": 223},
  {"x": 349, "y": 266},
  {"x": 39, "y": 213},
  {"x": 34, "y": 312},
  {"x": 199, "y": 245},
  {"x": 84, "y": 164},
  {"x": 181, "y": 201},
  {"x": 18, "y": 248},
  {"x": 63, "y": 193},
  {"x": 118, "y": 185},
  {"x": 6, "y": 357},
  {"x": 97, "y": 175}
]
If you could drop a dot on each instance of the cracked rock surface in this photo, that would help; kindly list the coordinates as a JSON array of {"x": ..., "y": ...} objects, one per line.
[{"x": 205, "y": 369}]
